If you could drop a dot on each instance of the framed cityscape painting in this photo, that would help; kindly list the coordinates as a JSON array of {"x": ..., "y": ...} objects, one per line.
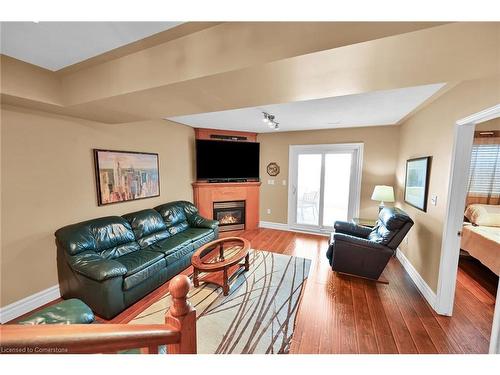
[
  {"x": 417, "y": 182},
  {"x": 125, "y": 176}
]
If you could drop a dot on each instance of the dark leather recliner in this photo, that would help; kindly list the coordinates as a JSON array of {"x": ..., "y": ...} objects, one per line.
[
  {"x": 112, "y": 262},
  {"x": 363, "y": 251}
]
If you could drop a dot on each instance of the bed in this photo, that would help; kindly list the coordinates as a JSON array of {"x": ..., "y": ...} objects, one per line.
[
  {"x": 481, "y": 236},
  {"x": 483, "y": 243}
]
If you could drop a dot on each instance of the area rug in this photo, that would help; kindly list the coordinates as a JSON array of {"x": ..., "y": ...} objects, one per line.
[{"x": 257, "y": 316}]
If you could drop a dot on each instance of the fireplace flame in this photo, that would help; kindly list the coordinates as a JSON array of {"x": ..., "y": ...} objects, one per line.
[{"x": 228, "y": 219}]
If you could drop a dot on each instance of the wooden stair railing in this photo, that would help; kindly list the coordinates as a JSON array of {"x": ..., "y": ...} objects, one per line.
[{"x": 178, "y": 332}]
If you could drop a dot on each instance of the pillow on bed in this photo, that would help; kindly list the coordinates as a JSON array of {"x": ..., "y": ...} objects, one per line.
[{"x": 483, "y": 214}]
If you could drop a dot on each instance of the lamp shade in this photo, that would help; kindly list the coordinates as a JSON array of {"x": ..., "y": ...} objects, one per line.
[{"x": 383, "y": 193}]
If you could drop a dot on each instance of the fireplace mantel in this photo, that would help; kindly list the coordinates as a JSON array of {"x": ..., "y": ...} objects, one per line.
[{"x": 205, "y": 194}]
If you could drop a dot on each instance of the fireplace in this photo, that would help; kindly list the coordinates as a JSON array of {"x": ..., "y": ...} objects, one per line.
[{"x": 231, "y": 215}]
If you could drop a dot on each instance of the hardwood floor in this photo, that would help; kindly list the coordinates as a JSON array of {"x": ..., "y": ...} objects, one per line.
[
  {"x": 343, "y": 314},
  {"x": 483, "y": 276}
]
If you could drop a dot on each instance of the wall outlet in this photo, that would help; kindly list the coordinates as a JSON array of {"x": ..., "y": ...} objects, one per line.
[
  {"x": 283, "y": 182},
  {"x": 270, "y": 182},
  {"x": 269, "y": 211}
]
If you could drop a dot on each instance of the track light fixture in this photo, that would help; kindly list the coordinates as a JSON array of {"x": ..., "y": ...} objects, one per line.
[{"x": 269, "y": 119}]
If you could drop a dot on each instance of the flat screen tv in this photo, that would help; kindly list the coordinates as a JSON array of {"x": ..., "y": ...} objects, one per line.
[{"x": 227, "y": 160}]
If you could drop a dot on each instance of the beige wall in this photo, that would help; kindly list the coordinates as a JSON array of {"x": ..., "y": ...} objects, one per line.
[
  {"x": 430, "y": 133},
  {"x": 31, "y": 82},
  {"x": 48, "y": 182},
  {"x": 489, "y": 125},
  {"x": 379, "y": 163}
]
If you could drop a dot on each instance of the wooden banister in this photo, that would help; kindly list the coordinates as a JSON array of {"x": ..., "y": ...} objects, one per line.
[
  {"x": 178, "y": 332},
  {"x": 84, "y": 338},
  {"x": 181, "y": 317}
]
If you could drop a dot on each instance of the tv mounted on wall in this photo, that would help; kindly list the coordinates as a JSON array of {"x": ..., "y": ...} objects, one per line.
[{"x": 219, "y": 161}]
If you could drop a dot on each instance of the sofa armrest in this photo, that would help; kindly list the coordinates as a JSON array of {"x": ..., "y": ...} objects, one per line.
[
  {"x": 352, "y": 229},
  {"x": 198, "y": 221},
  {"x": 93, "y": 266}
]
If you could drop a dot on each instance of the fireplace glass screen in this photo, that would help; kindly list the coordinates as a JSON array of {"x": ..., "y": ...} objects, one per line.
[{"x": 231, "y": 215}]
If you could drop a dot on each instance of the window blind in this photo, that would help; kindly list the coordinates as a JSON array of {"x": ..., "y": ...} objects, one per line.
[{"x": 484, "y": 175}]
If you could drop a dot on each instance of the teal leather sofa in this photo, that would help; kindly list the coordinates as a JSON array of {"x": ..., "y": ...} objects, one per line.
[{"x": 111, "y": 262}]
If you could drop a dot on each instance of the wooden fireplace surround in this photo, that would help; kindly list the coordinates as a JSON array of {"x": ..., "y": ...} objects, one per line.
[{"x": 206, "y": 193}]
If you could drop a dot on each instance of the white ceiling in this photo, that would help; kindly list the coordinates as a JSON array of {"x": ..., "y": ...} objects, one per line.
[
  {"x": 55, "y": 45},
  {"x": 368, "y": 109}
]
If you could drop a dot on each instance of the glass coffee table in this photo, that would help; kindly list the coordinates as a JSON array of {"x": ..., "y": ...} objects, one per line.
[{"x": 218, "y": 269}]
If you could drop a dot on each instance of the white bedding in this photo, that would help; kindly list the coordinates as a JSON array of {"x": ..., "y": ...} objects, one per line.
[{"x": 483, "y": 243}]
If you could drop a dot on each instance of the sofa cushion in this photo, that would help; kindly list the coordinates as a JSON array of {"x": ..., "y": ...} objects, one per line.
[
  {"x": 152, "y": 238},
  {"x": 148, "y": 226},
  {"x": 177, "y": 255},
  {"x": 204, "y": 240},
  {"x": 135, "y": 279},
  {"x": 93, "y": 266},
  {"x": 172, "y": 213},
  {"x": 110, "y": 236},
  {"x": 178, "y": 228},
  {"x": 76, "y": 238},
  {"x": 195, "y": 234},
  {"x": 120, "y": 250},
  {"x": 138, "y": 260},
  {"x": 171, "y": 245}
]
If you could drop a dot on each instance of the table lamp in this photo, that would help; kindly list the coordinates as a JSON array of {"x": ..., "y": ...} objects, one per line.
[{"x": 383, "y": 193}]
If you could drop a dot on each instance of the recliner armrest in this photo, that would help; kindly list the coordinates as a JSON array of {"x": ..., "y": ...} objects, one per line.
[
  {"x": 352, "y": 229},
  {"x": 198, "y": 221},
  {"x": 93, "y": 266}
]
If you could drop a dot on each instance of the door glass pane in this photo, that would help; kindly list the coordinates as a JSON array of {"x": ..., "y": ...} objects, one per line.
[
  {"x": 337, "y": 181},
  {"x": 308, "y": 188}
]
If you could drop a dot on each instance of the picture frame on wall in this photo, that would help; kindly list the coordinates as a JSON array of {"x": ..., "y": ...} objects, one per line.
[
  {"x": 417, "y": 182},
  {"x": 123, "y": 176}
]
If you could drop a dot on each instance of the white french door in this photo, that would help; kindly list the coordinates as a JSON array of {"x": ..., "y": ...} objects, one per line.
[{"x": 324, "y": 185}]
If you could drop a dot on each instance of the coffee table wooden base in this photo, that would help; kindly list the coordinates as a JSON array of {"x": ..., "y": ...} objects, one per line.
[
  {"x": 220, "y": 271},
  {"x": 220, "y": 278}
]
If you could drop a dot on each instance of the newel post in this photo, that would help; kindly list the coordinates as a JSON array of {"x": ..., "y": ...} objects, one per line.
[{"x": 181, "y": 316}]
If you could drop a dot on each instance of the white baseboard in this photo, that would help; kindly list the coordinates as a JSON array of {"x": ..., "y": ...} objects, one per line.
[
  {"x": 271, "y": 225},
  {"x": 422, "y": 286},
  {"x": 286, "y": 227},
  {"x": 28, "y": 304}
]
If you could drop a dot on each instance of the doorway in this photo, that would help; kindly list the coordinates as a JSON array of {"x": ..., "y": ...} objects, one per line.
[
  {"x": 324, "y": 185},
  {"x": 457, "y": 191}
]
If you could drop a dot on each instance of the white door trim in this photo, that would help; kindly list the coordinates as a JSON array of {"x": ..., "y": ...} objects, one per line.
[
  {"x": 356, "y": 173},
  {"x": 495, "y": 329},
  {"x": 457, "y": 192}
]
